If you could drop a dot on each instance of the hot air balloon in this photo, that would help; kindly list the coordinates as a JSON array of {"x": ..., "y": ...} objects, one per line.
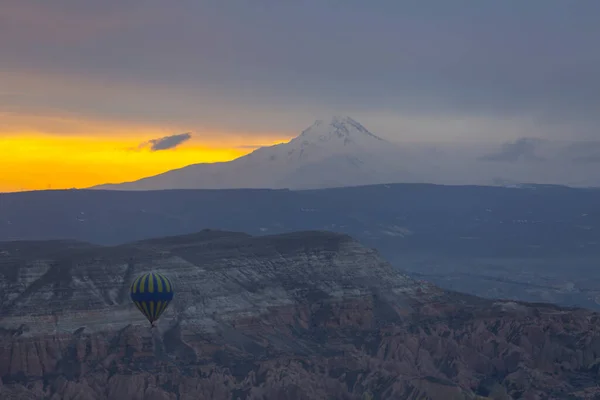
[{"x": 151, "y": 294}]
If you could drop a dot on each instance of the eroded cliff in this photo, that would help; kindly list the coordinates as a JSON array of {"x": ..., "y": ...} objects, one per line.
[{"x": 310, "y": 315}]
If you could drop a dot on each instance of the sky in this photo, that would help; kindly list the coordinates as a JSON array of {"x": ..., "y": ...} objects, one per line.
[{"x": 109, "y": 91}]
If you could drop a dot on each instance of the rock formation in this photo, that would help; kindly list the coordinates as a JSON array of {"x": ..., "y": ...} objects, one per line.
[{"x": 308, "y": 315}]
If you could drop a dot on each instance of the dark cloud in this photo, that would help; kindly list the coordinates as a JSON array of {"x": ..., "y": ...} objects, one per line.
[
  {"x": 167, "y": 142},
  {"x": 536, "y": 60},
  {"x": 522, "y": 149},
  {"x": 582, "y": 153}
]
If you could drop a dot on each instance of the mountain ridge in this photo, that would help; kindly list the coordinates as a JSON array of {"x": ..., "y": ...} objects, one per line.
[
  {"x": 335, "y": 152},
  {"x": 340, "y": 152}
]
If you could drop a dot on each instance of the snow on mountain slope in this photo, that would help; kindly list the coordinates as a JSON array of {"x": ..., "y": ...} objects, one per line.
[
  {"x": 341, "y": 152},
  {"x": 338, "y": 152}
]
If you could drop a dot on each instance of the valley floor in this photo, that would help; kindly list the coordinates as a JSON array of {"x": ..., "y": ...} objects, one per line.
[{"x": 567, "y": 281}]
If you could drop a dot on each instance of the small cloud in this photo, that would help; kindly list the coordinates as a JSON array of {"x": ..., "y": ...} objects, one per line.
[
  {"x": 248, "y": 146},
  {"x": 522, "y": 149},
  {"x": 167, "y": 142}
]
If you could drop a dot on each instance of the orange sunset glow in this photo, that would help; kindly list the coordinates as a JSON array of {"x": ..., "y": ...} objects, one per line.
[
  {"x": 45, "y": 146},
  {"x": 43, "y": 161}
]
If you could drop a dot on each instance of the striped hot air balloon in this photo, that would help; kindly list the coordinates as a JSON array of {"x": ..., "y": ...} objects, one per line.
[{"x": 151, "y": 294}]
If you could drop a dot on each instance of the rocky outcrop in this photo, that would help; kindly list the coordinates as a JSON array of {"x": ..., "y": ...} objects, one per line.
[{"x": 310, "y": 315}]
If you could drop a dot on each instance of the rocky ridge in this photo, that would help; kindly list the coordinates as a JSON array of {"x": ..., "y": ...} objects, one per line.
[{"x": 308, "y": 315}]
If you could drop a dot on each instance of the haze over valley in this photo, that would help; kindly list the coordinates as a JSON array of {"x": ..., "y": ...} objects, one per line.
[{"x": 532, "y": 243}]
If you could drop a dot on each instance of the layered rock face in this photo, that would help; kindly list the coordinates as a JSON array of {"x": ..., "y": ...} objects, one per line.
[{"x": 310, "y": 315}]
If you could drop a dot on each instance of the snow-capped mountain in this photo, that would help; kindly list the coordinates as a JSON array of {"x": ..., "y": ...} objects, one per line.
[
  {"x": 338, "y": 152},
  {"x": 341, "y": 152}
]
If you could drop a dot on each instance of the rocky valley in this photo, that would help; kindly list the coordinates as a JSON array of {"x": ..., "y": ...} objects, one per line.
[{"x": 305, "y": 315}]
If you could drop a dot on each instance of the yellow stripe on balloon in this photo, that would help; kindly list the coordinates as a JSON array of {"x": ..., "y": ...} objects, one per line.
[
  {"x": 157, "y": 311},
  {"x": 164, "y": 306},
  {"x": 159, "y": 283},
  {"x": 167, "y": 284},
  {"x": 151, "y": 283},
  {"x": 146, "y": 313},
  {"x": 143, "y": 283},
  {"x": 135, "y": 284}
]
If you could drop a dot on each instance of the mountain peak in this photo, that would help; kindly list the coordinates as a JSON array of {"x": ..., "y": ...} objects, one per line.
[
  {"x": 337, "y": 127},
  {"x": 330, "y": 153}
]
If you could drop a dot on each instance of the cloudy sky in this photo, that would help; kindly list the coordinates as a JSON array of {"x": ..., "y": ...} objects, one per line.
[{"x": 118, "y": 90}]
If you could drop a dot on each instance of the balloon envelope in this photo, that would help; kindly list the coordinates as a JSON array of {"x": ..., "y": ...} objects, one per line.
[{"x": 151, "y": 294}]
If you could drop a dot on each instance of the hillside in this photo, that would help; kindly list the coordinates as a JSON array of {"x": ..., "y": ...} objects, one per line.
[
  {"x": 536, "y": 243},
  {"x": 531, "y": 220},
  {"x": 308, "y": 315}
]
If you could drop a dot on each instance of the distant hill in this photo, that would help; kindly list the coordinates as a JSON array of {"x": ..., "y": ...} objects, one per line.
[
  {"x": 533, "y": 243},
  {"x": 450, "y": 220}
]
